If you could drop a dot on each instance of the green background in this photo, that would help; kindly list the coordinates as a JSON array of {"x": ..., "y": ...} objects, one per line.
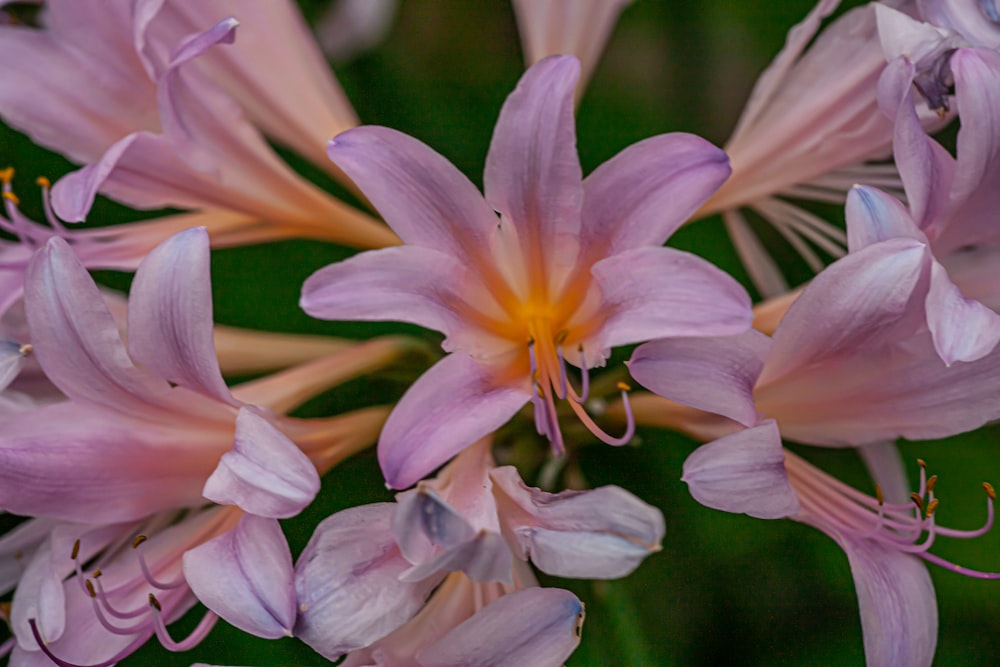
[{"x": 725, "y": 589}]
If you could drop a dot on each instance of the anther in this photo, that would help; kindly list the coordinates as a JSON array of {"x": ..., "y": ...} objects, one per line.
[
  {"x": 138, "y": 540},
  {"x": 931, "y": 483},
  {"x": 76, "y": 550},
  {"x": 90, "y": 588},
  {"x": 917, "y": 500},
  {"x": 990, "y": 490},
  {"x": 623, "y": 387},
  {"x": 43, "y": 182},
  {"x": 561, "y": 337},
  {"x": 922, "y": 463},
  {"x": 931, "y": 506},
  {"x": 154, "y": 603},
  {"x": 7, "y": 175},
  {"x": 97, "y": 573},
  {"x": 26, "y": 349},
  {"x": 879, "y": 496},
  {"x": 11, "y": 197}
]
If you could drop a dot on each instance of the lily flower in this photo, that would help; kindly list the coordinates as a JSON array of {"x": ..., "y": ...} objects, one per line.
[
  {"x": 473, "y": 527},
  {"x": 174, "y": 113},
  {"x": 887, "y": 541},
  {"x": 548, "y": 270},
  {"x": 851, "y": 364},
  {"x": 150, "y": 436}
]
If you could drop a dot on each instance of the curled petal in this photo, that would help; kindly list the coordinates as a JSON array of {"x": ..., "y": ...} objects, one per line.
[
  {"x": 712, "y": 374},
  {"x": 599, "y": 534},
  {"x": 962, "y": 329},
  {"x": 245, "y": 576},
  {"x": 75, "y": 337},
  {"x": 170, "y": 315},
  {"x": 743, "y": 473},
  {"x": 423, "y": 521},
  {"x": 347, "y": 582},
  {"x": 265, "y": 473},
  {"x": 537, "y": 626},
  {"x": 874, "y": 216}
]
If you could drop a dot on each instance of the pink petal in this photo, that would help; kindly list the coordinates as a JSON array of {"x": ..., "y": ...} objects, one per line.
[
  {"x": 78, "y": 463},
  {"x": 873, "y": 216},
  {"x": 75, "y": 338},
  {"x": 567, "y": 27},
  {"x": 743, "y": 473},
  {"x": 347, "y": 582},
  {"x": 265, "y": 473},
  {"x": 885, "y": 467},
  {"x": 712, "y": 374},
  {"x": 423, "y": 521},
  {"x": 896, "y": 600},
  {"x": 604, "y": 533},
  {"x": 274, "y": 71},
  {"x": 537, "y": 626},
  {"x": 484, "y": 558},
  {"x": 963, "y": 329},
  {"x": 170, "y": 315},
  {"x": 11, "y": 361},
  {"x": 246, "y": 576},
  {"x": 408, "y": 284},
  {"x": 880, "y": 393},
  {"x": 423, "y": 197},
  {"x": 79, "y": 121},
  {"x": 661, "y": 292},
  {"x": 861, "y": 300},
  {"x": 642, "y": 195},
  {"x": 533, "y": 175},
  {"x": 448, "y": 408}
]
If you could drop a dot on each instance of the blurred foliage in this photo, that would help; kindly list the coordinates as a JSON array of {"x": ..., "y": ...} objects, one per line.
[{"x": 725, "y": 589}]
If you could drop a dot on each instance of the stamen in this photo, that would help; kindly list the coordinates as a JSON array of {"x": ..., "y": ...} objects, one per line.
[
  {"x": 917, "y": 500},
  {"x": 11, "y": 197},
  {"x": 585, "y": 374},
  {"x": 46, "y": 186},
  {"x": 601, "y": 435},
  {"x": 139, "y": 539},
  {"x": 153, "y": 581},
  {"x": 102, "y": 596},
  {"x": 131, "y": 648},
  {"x": 7, "y": 647},
  {"x": 199, "y": 633},
  {"x": 76, "y": 550}
]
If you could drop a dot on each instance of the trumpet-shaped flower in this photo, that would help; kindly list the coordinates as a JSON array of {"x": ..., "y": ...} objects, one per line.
[
  {"x": 887, "y": 541},
  {"x": 173, "y": 112},
  {"x": 149, "y": 435},
  {"x": 481, "y": 524},
  {"x": 548, "y": 270}
]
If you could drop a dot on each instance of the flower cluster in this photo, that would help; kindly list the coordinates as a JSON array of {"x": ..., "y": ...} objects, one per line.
[{"x": 148, "y": 455}]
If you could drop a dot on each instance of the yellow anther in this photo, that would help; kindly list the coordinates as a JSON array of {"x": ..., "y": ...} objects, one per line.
[
  {"x": 90, "y": 588},
  {"x": 989, "y": 490},
  {"x": 561, "y": 337},
  {"x": 931, "y": 506},
  {"x": 623, "y": 387},
  {"x": 43, "y": 182},
  {"x": 25, "y": 349},
  {"x": 922, "y": 463},
  {"x": 12, "y": 198},
  {"x": 154, "y": 603},
  {"x": 931, "y": 483},
  {"x": 97, "y": 573},
  {"x": 7, "y": 175},
  {"x": 76, "y": 550},
  {"x": 138, "y": 540},
  {"x": 878, "y": 495},
  {"x": 917, "y": 500}
]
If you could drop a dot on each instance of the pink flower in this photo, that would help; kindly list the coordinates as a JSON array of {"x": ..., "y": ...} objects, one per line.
[
  {"x": 473, "y": 527},
  {"x": 549, "y": 269},
  {"x": 148, "y": 437},
  {"x": 852, "y": 363},
  {"x": 887, "y": 538},
  {"x": 174, "y": 113}
]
